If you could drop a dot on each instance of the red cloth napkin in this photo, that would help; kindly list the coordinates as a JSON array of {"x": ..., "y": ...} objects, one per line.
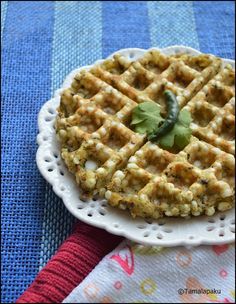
[{"x": 74, "y": 260}]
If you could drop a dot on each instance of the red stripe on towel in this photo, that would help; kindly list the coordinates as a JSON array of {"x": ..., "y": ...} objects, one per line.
[{"x": 74, "y": 260}]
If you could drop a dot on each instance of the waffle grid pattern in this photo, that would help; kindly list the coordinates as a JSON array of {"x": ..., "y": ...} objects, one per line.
[{"x": 94, "y": 125}]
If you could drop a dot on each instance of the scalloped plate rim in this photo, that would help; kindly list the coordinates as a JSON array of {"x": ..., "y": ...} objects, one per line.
[{"x": 167, "y": 243}]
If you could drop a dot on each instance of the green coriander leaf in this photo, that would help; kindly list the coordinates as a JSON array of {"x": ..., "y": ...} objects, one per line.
[
  {"x": 185, "y": 117},
  {"x": 167, "y": 141},
  {"x": 141, "y": 127},
  {"x": 182, "y": 137},
  {"x": 149, "y": 106},
  {"x": 137, "y": 116},
  {"x": 180, "y": 134},
  {"x": 146, "y": 117}
]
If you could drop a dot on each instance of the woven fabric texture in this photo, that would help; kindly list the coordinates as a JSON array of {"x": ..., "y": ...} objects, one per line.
[
  {"x": 75, "y": 259},
  {"x": 41, "y": 42}
]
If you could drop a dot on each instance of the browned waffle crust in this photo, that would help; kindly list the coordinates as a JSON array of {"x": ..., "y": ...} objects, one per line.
[{"x": 93, "y": 123}]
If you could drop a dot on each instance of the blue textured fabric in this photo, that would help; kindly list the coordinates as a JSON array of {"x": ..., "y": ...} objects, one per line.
[
  {"x": 172, "y": 22},
  {"x": 42, "y": 42},
  {"x": 125, "y": 24},
  {"x": 69, "y": 52},
  {"x": 215, "y": 24},
  {"x": 3, "y": 15},
  {"x": 26, "y": 80}
]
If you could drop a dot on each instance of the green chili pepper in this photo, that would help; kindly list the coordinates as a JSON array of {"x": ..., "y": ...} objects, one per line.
[{"x": 171, "y": 118}]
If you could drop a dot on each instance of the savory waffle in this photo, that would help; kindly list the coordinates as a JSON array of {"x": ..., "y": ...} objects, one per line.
[{"x": 93, "y": 124}]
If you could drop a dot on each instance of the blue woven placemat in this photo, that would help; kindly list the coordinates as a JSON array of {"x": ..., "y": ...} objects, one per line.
[{"x": 41, "y": 43}]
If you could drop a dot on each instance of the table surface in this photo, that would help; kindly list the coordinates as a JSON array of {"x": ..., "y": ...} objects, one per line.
[{"x": 41, "y": 43}]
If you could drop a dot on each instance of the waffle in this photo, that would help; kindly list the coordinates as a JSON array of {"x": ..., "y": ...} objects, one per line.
[{"x": 108, "y": 158}]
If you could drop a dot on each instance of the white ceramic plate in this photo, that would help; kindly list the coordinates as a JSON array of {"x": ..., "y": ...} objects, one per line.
[{"x": 218, "y": 229}]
